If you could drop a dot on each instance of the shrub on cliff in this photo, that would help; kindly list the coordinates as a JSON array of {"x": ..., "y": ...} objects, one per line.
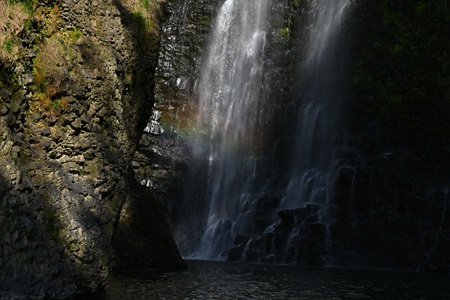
[
  {"x": 53, "y": 65},
  {"x": 14, "y": 17},
  {"x": 402, "y": 77}
]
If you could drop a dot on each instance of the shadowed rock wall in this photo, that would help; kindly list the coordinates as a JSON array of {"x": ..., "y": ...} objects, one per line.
[{"x": 163, "y": 160}]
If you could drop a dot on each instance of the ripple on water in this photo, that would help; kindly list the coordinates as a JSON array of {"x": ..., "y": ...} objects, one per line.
[{"x": 218, "y": 280}]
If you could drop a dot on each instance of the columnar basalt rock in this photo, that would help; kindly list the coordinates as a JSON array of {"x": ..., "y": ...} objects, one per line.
[
  {"x": 387, "y": 194},
  {"x": 72, "y": 110},
  {"x": 163, "y": 157},
  {"x": 163, "y": 162}
]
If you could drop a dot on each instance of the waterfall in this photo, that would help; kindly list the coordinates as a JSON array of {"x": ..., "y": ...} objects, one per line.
[
  {"x": 245, "y": 201},
  {"x": 321, "y": 92},
  {"x": 230, "y": 92}
]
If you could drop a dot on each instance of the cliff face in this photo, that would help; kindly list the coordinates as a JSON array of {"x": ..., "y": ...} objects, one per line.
[
  {"x": 76, "y": 91},
  {"x": 163, "y": 159},
  {"x": 398, "y": 128},
  {"x": 165, "y": 162},
  {"x": 387, "y": 199}
]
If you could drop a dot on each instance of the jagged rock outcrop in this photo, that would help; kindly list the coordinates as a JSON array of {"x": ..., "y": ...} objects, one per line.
[{"x": 75, "y": 96}]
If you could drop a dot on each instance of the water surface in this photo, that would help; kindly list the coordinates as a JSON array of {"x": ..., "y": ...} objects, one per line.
[{"x": 219, "y": 280}]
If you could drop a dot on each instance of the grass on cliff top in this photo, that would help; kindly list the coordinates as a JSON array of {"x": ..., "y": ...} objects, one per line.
[
  {"x": 15, "y": 17},
  {"x": 54, "y": 60},
  {"x": 145, "y": 12}
]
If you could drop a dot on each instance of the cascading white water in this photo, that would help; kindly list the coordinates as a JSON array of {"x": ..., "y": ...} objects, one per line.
[
  {"x": 318, "y": 117},
  {"x": 230, "y": 91}
]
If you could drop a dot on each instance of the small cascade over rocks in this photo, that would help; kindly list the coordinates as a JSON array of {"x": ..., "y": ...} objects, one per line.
[
  {"x": 259, "y": 159},
  {"x": 320, "y": 96},
  {"x": 231, "y": 103},
  {"x": 249, "y": 213},
  {"x": 297, "y": 237}
]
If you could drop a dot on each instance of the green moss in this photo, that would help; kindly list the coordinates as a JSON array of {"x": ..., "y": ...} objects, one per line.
[
  {"x": 52, "y": 67},
  {"x": 71, "y": 246},
  {"x": 8, "y": 46},
  {"x": 139, "y": 19},
  {"x": 52, "y": 223},
  {"x": 73, "y": 35},
  {"x": 145, "y": 4},
  {"x": 10, "y": 221},
  {"x": 285, "y": 31},
  {"x": 29, "y": 4}
]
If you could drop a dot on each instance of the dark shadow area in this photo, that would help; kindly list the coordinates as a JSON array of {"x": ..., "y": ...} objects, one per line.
[
  {"x": 146, "y": 45},
  {"x": 141, "y": 241},
  {"x": 142, "y": 238}
]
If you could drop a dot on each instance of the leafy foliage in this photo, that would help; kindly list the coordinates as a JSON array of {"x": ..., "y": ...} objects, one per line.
[{"x": 404, "y": 69}]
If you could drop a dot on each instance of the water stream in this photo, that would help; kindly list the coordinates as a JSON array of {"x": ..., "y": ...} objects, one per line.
[
  {"x": 230, "y": 91},
  {"x": 321, "y": 95}
]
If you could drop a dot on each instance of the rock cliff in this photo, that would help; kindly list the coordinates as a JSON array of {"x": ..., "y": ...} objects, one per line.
[
  {"x": 163, "y": 161},
  {"x": 76, "y": 91},
  {"x": 387, "y": 197},
  {"x": 388, "y": 194}
]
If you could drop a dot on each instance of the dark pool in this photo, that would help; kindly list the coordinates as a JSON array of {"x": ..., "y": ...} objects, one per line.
[{"x": 218, "y": 280}]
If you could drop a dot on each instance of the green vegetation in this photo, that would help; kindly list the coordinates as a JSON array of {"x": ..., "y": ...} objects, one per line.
[
  {"x": 8, "y": 46},
  {"x": 52, "y": 66},
  {"x": 25, "y": 17},
  {"x": 10, "y": 221},
  {"x": 145, "y": 4},
  {"x": 28, "y": 4},
  {"x": 139, "y": 20},
  {"x": 71, "y": 246},
  {"x": 54, "y": 59},
  {"x": 404, "y": 67},
  {"x": 144, "y": 15},
  {"x": 52, "y": 223},
  {"x": 14, "y": 16},
  {"x": 285, "y": 31}
]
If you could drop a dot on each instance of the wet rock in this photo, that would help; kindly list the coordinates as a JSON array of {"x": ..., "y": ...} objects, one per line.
[
  {"x": 287, "y": 220},
  {"x": 312, "y": 208},
  {"x": 154, "y": 128},
  {"x": 235, "y": 254},
  {"x": 241, "y": 239},
  {"x": 268, "y": 203},
  {"x": 252, "y": 255},
  {"x": 184, "y": 35},
  {"x": 262, "y": 221}
]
